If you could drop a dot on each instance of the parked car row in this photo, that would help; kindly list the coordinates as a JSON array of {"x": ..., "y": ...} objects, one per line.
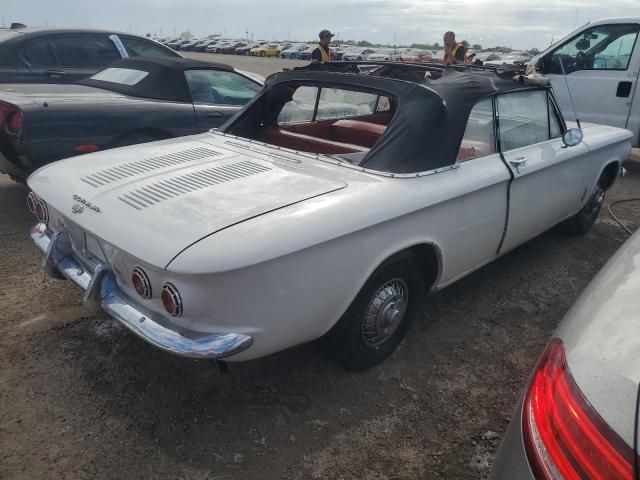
[{"x": 301, "y": 51}]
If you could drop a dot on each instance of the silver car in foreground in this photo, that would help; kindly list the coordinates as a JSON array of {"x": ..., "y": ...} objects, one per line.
[{"x": 578, "y": 417}]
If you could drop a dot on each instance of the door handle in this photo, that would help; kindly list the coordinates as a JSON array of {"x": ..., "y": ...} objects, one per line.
[
  {"x": 519, "y": 162},
  {"x": 214, "y": 115},
  {"x": 54, "y": 73}
]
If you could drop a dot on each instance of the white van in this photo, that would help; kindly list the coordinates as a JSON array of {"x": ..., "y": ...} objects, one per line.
[{"x": 601, "y": 61}]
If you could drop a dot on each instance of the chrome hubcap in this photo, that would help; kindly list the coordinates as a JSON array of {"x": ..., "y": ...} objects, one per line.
[
  {"x": 385, "y": 312},
  {"x": 597, "y": 199}
]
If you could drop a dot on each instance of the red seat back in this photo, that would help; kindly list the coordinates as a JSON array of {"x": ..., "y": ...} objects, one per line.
[{"x": 357, "y": 132}]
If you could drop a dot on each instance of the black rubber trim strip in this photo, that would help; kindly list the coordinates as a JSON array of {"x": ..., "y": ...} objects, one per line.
[
  {"x": 499, "y": 148},
  {"x": 635, "y": 438}
]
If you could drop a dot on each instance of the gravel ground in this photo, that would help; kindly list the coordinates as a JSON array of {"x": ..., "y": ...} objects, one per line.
[
  {"x": 80, "y": 397},
  {"x": 265, "y": 66}
]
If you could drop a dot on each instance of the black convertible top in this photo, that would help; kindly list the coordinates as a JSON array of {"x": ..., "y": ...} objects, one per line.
[
  {"x": 426, "y": 131},
  {"x": 165, "y": 79}
]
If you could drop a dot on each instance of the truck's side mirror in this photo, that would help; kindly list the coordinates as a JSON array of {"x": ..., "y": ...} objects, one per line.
[{"x": 572, "y": 137}]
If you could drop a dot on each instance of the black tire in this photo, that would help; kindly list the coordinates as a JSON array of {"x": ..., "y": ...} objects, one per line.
[
  {"x": 133, "y": 139},
  {"x": 352, "y": 341},
  {"x": 262, "y": 54},
  {"x": 582, "y": 221}
]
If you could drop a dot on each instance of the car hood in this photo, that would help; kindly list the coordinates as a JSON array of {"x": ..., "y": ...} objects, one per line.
[
  {"x": 154, "y": 200},
  {"x": 601, "y": 335}
]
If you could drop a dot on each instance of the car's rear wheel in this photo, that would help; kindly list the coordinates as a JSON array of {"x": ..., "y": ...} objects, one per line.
[
  {"x": 262, "y": 54},
  {"x": 582, "y": 221},
  {"x": 378, "y": 318}
]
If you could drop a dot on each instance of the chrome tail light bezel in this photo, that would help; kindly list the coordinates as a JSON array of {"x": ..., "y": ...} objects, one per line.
[
  {"x": 171, "y": 300},
  {"x": 140, "y": 278}
]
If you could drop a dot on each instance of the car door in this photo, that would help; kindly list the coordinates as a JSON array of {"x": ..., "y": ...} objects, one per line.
[
  {"x": 548, "y": 183},
  {"x": 602, "y": 59},
  {"x": 80, "y": 56},
  {"x": 218, "y": 94},
  {"x": 479, "y": 215}
]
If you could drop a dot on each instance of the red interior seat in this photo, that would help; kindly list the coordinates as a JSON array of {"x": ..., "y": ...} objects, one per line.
[
  {"x": 357, "y": 132},
  {"x": 306, "y": 143}
]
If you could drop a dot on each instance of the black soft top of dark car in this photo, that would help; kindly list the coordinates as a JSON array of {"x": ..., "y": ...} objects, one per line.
[
  {"x": 165, "y": 79},
  {"x": 430, "y": 119}
]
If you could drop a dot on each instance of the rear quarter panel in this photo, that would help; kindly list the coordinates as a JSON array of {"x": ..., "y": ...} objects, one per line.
[
  {"x": 102, "y": 122},
  {"x": 290, "y": 275},
  {"x": 601, "y": 334},
  {"x": 606, "y": 145}
]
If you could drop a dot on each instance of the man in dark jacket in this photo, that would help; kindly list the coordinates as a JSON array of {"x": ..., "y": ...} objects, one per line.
[{"x": 322, "y": 53}]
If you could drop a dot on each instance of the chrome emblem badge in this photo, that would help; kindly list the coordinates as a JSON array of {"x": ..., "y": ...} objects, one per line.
[{"x": 82, "y": 203}]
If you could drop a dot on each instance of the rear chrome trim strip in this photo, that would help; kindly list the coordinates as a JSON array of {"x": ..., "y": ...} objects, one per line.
[{"x": 100, "y": 287}]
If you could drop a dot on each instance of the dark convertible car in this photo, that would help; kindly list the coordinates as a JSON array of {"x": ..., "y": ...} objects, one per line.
[{"x": 131, "y": 101}]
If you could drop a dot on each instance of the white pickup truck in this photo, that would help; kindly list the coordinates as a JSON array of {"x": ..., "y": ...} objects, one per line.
[{"x": 601, "y": 61}]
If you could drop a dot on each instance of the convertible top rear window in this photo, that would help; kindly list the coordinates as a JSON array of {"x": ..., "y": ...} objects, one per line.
[{"x": 123, "y": 76}]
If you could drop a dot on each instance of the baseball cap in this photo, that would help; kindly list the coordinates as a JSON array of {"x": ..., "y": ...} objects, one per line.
[{"x": 325, "y": 33}]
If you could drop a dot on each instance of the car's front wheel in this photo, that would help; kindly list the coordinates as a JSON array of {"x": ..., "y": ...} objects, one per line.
[
  {"x": 378, "y": 318},
  {"x": 582, "y": 221}
]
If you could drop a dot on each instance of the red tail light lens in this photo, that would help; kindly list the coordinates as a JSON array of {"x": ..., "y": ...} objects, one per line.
[
  {"x": 141, "y": 282},
  {"x": 171, "y": 300},
  {"x": 42, "y": 213},
  {"x": 564, "y": 436},
  {"x": 14, "y": 123}
]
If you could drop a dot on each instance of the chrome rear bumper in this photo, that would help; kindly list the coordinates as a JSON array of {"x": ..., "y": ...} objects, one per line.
[{"x": 100, "y": 287}]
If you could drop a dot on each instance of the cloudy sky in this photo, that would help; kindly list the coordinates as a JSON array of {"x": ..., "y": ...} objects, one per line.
[{"x": 526, "y": 24}]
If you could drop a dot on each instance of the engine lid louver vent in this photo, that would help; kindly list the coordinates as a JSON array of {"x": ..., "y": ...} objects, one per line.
[
  {"x": 167, "y": 189},
  {"x": 141, "y": 167}
]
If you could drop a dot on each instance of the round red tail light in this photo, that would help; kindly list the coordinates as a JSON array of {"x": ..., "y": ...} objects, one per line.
[
  {"x": 171, "y": 300},
  {"x": 32, "y": 202},
  {"x": 141, "y": 282},
  {"x": 14, "y": 125},
  {"x": 42, "y": 212}
]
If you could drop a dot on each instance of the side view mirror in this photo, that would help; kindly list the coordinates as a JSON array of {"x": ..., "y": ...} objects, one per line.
[{"x": 572, "y": 137}]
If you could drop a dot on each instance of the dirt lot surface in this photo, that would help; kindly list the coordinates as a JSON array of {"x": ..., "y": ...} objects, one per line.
[
  {"x": 265, "y": 66},
  {"x": 80, "y": 397}
]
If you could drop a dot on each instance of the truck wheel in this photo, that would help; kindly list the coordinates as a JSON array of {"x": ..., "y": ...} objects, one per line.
[
  {"x": 582, "y": 221},
  {"x": 378, "y": 318}
]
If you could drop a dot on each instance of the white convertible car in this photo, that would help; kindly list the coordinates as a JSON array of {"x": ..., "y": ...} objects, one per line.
[{"x": 324, "y": 208}]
